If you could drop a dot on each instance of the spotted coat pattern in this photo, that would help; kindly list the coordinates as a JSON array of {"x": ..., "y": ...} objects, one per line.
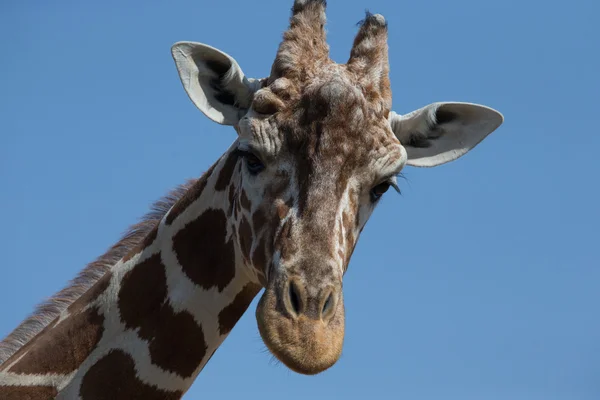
[{"x": 148, "y": 326}]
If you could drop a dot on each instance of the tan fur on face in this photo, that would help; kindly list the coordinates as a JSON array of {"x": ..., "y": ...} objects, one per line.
[
  {"x": 322, "y": 131},
  {"x": 304, "y": 345}
]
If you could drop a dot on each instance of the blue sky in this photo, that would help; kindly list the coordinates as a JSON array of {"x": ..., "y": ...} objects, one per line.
[{"x": 479, "y": 282}]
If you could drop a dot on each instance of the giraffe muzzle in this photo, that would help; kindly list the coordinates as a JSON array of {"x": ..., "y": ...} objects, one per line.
[{"x": 302, "y": 324}]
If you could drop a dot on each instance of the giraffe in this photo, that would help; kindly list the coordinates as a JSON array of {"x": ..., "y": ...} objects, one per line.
[{"x": 281, "y": 210}]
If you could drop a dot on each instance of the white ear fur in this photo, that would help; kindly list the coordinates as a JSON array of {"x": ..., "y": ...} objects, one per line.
[
  {"x": 214, "y": 81},
  {"x": 442, "y": 132}
]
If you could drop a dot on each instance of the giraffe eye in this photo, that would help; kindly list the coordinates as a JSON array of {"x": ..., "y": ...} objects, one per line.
[
  {"x": 379, "y": 190},
  {"x": 253, "y": 163}
]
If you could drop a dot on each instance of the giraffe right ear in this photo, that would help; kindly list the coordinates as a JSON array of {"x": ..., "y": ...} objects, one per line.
[{"x": 214, "y": 81}]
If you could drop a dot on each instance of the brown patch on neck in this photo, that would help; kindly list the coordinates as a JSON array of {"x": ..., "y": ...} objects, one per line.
[
  {"x": 114, "y": 377},
  {"x": 63, "y": 349},
  {"x": 176, "y": 342},
  {"x": 27, "y": 392},
  {"x": 190, "y": 196},
  {"x": 231, "y": 197},
  {"x": 146, "y": 242},
  {"x": 203, "y": 252},
  {"x": 4, "y": 366},
  {"x": 245, "y": 235},
  {"x": 244, "y": 201},
  {"x": 51, "y": 309},
  {"x": 92, "y": 294},
  {"x": 226, "y": 172},
  {"x": 231, "y": 314}
]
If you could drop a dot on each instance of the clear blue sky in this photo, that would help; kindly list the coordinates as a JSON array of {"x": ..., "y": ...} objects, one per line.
[{"x": 480, "y": 282}]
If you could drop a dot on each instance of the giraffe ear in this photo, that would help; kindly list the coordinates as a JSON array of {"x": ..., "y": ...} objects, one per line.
[
  {"x": 442, "y": 132},
  {"x": 214, "y": 81}
]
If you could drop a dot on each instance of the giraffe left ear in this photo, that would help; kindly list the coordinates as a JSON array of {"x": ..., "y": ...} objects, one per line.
[
  {"x": 442, "y": 132},
  {"x": 214, "y": 81}
]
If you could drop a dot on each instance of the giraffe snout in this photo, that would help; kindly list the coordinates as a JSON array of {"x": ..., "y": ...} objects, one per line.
[
  {"x": 301, "y": 320},
  {"x": 317, "y": 304}
]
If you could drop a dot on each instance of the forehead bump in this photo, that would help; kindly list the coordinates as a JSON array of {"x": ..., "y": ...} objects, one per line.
[{"x": 266, "y": 102}]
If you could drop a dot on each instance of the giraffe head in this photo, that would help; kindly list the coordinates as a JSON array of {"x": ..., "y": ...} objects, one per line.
[{"x": 317, "y": 147}]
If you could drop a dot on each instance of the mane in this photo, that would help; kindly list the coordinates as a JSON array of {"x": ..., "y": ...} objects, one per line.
[{"x": 50, "y": 309}]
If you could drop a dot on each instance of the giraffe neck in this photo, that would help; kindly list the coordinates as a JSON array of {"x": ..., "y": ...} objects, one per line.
[{"x": 149, "y": 326}]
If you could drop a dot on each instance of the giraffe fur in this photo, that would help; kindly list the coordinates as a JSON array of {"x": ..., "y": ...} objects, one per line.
[{"x": 280, "y": 211}]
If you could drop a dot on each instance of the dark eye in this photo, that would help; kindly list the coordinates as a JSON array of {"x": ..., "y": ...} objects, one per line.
[
  {"x": 253, "y": 163},
  {"x": 379, "y": 190}
]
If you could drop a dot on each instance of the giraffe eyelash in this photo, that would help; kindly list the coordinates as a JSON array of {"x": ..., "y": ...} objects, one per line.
[{"x": 394, "y": 184}]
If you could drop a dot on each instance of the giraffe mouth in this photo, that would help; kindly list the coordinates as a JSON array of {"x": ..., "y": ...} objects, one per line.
[{"x": 304, "y": 342}]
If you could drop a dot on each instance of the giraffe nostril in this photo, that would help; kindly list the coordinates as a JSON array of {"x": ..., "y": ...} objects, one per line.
[
  {"x": 328, "y": 306},
  {"x": 295, "y": 298}
]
